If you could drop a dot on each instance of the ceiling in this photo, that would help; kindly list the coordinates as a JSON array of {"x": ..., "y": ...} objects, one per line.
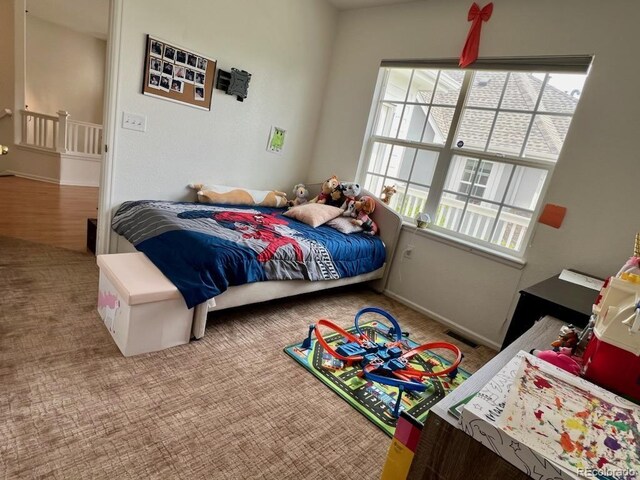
[
  {"x": 351, "y": 4},
  {"x": 85, "y": 16}
]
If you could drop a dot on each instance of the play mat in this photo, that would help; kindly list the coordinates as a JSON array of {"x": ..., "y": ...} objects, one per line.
[{"x": 375, "y": 400}]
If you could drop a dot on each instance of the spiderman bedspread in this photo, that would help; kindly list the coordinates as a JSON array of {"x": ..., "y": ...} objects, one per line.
[{"x": 203, "y": 248}]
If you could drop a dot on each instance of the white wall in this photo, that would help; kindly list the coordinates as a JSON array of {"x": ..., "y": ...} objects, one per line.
[
  {"x": 596, "y": 178},
  {"x": 284, "y": 44},
  {"x": 65, "y": 71}
]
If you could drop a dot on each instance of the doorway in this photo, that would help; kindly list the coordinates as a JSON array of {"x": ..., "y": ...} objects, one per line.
[{"x": 50, "y": 187}]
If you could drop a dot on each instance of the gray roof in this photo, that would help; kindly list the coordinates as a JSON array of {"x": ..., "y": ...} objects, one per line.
[{"x": 547, "y": 133}]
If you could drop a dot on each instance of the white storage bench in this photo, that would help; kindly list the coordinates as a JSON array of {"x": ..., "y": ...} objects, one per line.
[{"x": 141, "y": 308}]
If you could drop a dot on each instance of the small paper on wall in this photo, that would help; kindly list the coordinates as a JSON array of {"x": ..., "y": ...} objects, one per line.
[{"x": 276, "y": 140}]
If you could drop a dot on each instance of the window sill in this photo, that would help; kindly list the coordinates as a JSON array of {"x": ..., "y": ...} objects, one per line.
[{"x": 460, "y": 244}]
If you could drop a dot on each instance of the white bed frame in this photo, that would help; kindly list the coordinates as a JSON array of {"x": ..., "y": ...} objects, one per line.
[{"x": 389, "y": 223}]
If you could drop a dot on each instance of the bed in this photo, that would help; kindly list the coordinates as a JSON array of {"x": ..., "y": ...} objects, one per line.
[{"x": 173, "y": 234}]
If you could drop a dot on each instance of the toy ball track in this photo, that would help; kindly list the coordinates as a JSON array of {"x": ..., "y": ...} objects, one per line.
[{"x": 377, "y": 369}]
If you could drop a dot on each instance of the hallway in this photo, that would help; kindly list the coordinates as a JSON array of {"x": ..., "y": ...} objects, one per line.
[{"x": 46, "y": 213}]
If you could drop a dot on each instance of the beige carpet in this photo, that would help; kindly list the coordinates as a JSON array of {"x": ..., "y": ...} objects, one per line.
[{"x": 232, "y": 405}]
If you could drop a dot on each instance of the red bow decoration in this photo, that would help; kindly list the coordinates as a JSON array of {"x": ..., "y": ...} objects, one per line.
[{"x": 472, "y": 45}]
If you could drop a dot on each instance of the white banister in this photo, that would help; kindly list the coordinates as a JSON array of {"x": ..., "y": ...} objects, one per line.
[
  {"x": 61, "y": 134},
  {"x": 63, "y": 115},
  {"x": 37, "y": 130},
  {"x": 84, "y": 137}
]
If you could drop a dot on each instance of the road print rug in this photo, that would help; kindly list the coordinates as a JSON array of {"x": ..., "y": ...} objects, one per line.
[{"x": 374, "y": 400}]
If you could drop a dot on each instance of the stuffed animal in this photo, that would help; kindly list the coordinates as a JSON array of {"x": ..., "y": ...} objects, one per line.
[
  {"x": 349, "y": 207},
  {"x": 301, "y": 193},
  {"x": 328, "y": 187},
  {"x": 350, "y": 191},
  {"x": 363, "y": 208},
  {"x": 239, "y": 196},
  {"x": 561, "y": 359},
  {"x": 336, "y": 198},
  {"x": 568, "y": 338},
  {"x": 388, "y": 191}
]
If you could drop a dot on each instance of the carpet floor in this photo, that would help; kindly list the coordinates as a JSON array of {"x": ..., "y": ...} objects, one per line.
[{"x": 231, "y": 405}]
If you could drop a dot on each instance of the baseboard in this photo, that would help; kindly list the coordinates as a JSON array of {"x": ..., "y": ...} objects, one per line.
[
  {"x": 440, "y": 319},
  {"x": 30, "y": 176},
  {"x": 76, "y": 184},
  {"x": 12, "y": 173}
]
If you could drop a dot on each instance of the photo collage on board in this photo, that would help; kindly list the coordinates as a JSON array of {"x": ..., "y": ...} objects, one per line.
[{"x": 171, "y": 68}]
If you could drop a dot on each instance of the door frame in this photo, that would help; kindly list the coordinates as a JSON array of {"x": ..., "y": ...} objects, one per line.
[{"x": 110, "y": 125}]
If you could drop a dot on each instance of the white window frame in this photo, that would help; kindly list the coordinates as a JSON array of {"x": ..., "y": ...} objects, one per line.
[{"x": 448, "y": 150}]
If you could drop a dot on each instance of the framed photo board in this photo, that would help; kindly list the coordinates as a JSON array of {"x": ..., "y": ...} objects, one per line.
[{"x": 177, "y": 74}]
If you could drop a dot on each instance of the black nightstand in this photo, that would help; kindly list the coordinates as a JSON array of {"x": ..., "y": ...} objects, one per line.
[{"x": 563, "y": 300}]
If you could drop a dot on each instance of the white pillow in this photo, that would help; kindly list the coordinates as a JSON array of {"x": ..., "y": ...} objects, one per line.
[
  {"x": 344, "y": 225},
  {"x": 313, "y": 214}
]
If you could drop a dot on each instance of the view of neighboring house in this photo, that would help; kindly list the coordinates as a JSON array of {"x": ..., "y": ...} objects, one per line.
[{"x": 505, "y": 114}]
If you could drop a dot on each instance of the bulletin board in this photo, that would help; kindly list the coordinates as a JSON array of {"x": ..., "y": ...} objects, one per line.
[{"x": 178, "y": 74}]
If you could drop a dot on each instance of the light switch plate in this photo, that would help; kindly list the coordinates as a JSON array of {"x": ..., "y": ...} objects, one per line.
[{"x": 132, "y": 121}]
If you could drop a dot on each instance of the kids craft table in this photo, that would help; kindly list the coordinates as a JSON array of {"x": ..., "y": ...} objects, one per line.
[{"x": 444, "y": 451}]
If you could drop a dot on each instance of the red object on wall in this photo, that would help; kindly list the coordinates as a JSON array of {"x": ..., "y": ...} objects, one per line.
[
  {"x": 552, "y": 215},
  {"x": 612, "y": 368},
  {"x": 472, "y": 45}
]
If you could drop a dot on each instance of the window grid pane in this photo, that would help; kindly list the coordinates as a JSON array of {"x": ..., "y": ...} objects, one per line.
[
  {"x": 410, "y": 170},
  {"x": 547, "y": 136},
  {"x": 496, "y": 116},
  {"x": 519, "y": 120},
  {"x": 448, "y": 89},
  {"x": 520, "y": 94},
  {"x": 423, "y": 85},
  {"x": 486, "y": 89},
  {"x": 397, "y": 84},
  {"x": 379, "y": 159},
  {"x": 438, "y": 125},
  {"x": 476, "y": 198},
  {"x": 474, "y": 128},
  {"x": 511, "y": 228},
  {"x": 561, "y": 93}
]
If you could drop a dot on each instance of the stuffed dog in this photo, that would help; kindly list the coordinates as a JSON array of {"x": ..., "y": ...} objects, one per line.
[
  {"x": 239, "y": 196},
  {"x": 364, "y": 207}
]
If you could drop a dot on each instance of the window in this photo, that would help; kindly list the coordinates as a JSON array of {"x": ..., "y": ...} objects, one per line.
[
  {"x": 474, "y": 149},
  {"x": 483, "y": 174}
]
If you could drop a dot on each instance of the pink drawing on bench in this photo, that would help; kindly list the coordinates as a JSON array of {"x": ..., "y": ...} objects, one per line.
[{"x": 109, "y": 300}]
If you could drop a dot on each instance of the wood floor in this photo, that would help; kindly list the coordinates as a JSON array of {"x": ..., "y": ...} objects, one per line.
[{"x": 46, "y": 213}]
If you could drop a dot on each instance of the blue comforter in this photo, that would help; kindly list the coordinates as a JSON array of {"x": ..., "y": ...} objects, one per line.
[{"x": 203, "y": 249}]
